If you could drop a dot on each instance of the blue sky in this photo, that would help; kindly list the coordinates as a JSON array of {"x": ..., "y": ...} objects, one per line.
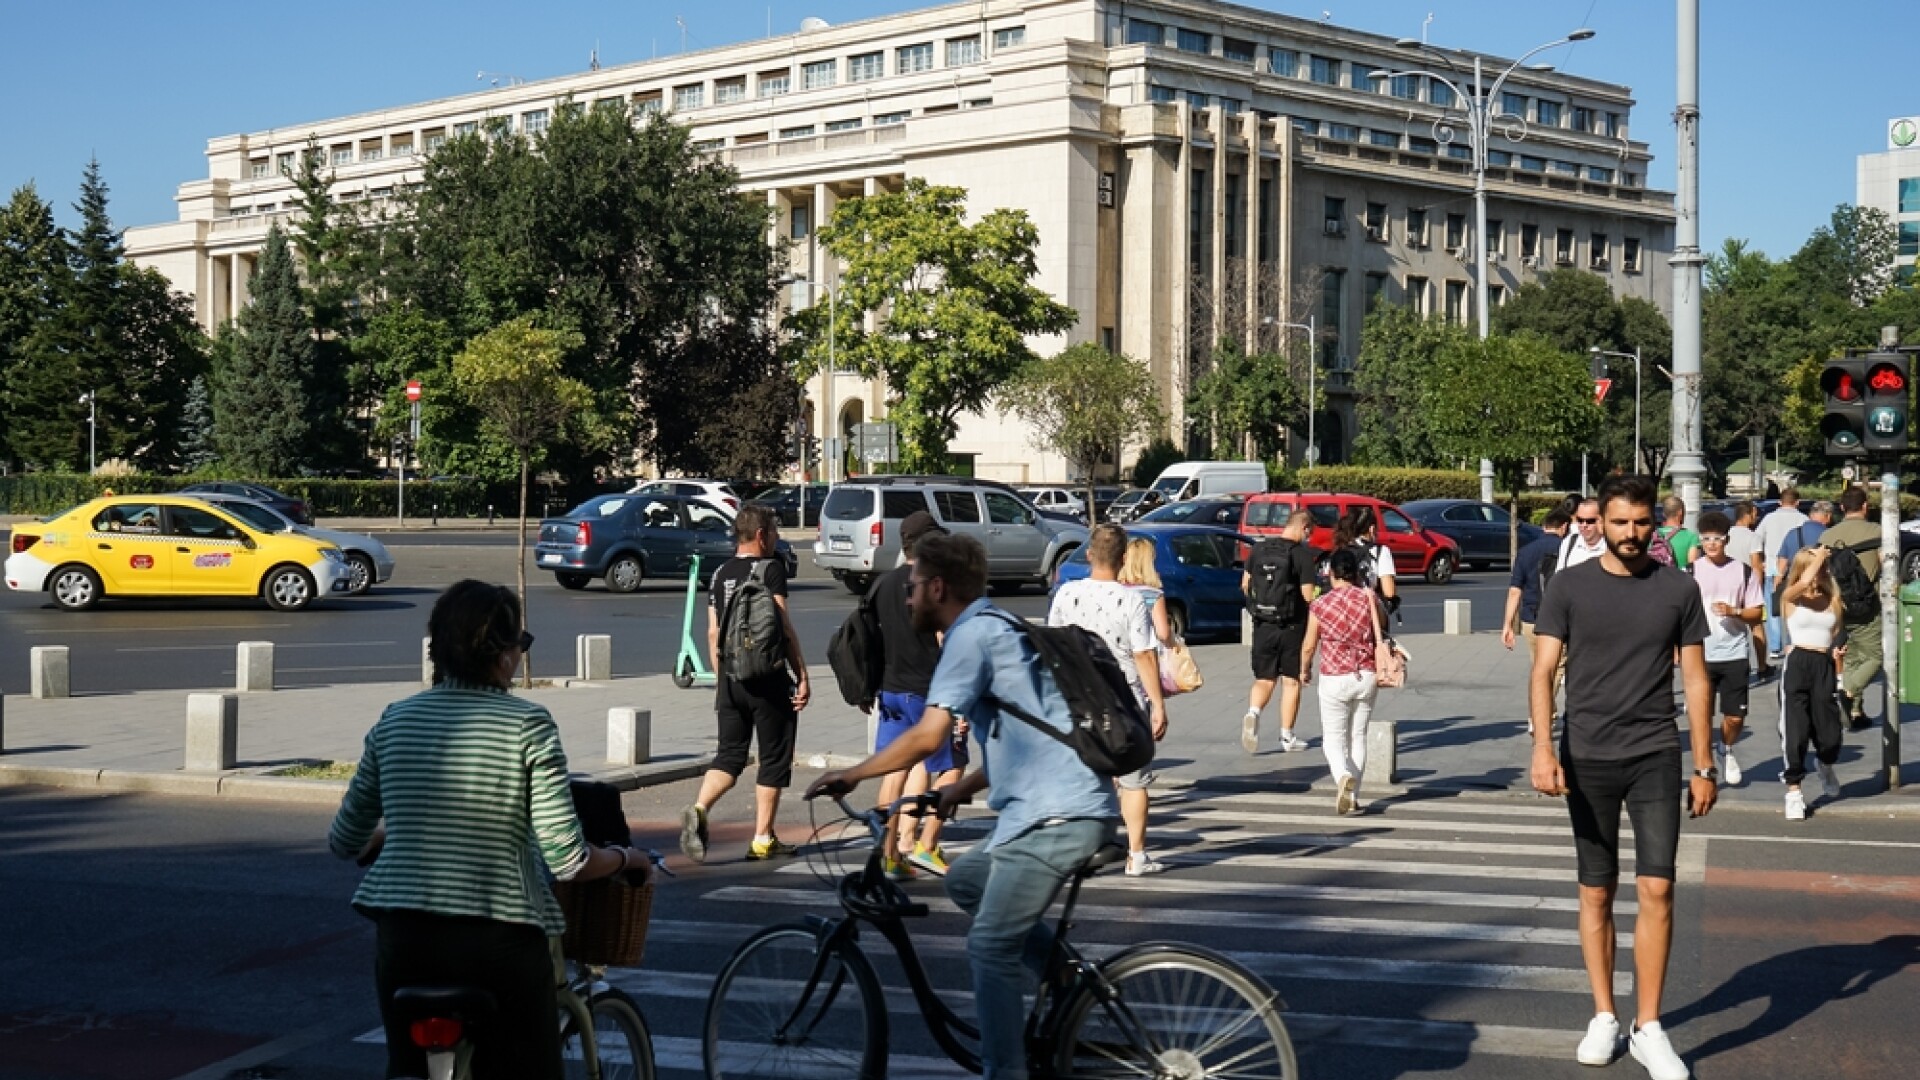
[{"x": 1791, "y": 92}]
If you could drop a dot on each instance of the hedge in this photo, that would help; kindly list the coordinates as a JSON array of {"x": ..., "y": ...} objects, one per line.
[
  {"x": 1390, "y": 485},
  {"x": 42, "y": 494}
]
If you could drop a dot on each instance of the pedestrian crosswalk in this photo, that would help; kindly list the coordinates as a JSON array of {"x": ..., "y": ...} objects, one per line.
[{"x": 1439, "y": 928}]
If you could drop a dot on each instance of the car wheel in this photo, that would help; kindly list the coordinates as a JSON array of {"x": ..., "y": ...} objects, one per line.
[
  {"x": 625, "y": 575},
  {"x": 572, "y": 582},
  {"x": 1440, "y": 570},
  {"x": 1910, "y": 566},
  {"x": 1177, "y": 619},
  {"x": 359, "y": 573},
  {"x": 1053, "y": 568},
  {"x": 288, "y": 588},
  {"x": 74, "y": 588}
]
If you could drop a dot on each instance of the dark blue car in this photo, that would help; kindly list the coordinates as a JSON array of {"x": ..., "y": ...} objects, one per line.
[
  {"x": 628, "y": 538},
  {"x": 1200, "y": 568}
]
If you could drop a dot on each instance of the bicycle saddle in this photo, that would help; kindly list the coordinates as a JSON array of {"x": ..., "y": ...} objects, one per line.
[
  {"x": 1106, "y": 856},
  {"x": 455, "y": 1002}
]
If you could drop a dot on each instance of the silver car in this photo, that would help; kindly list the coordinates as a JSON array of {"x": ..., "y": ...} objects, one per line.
[
  {"x": 860, "y": 528},
  {"x": 368, "y": 561}
]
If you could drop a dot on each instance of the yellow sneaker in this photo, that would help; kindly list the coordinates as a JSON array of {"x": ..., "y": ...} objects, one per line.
[
  {"x": 771, "y": 848},
  {"x": 896, "y": 869},
  {"x": 933, "y": 862}
]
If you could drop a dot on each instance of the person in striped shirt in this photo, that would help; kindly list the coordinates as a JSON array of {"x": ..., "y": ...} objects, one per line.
[{"x": 471, "y": 783}]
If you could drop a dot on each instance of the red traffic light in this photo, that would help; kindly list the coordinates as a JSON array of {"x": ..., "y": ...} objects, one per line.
[
  {"x": 1887, "y": 379},
  {"x": 1839, "y": 384}
]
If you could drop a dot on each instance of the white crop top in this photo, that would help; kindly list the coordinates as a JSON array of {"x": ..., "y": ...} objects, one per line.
[{"x": 1808, "y": 628}]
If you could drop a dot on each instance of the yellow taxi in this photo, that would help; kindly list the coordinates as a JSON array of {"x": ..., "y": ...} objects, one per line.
[{"x": 168, "y": 545}]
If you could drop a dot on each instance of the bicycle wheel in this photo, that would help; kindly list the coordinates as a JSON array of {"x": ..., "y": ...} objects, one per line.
[
  {"x": 1203, "y": 1015},
  {"x": 759, "y": 1025},
  {"x": 622, "y": 1046}
]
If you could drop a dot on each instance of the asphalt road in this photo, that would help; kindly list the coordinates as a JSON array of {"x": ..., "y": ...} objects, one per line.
[{"x": 189, "y": 644}]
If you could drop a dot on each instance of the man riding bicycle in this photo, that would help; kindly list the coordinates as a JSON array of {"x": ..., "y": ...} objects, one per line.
[{"x": 1054, "y": 812}]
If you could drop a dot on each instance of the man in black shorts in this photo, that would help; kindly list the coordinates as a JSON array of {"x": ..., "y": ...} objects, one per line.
[
  {"x": 1620, "y": 747},
  {"x": 1278, "y": 584}
]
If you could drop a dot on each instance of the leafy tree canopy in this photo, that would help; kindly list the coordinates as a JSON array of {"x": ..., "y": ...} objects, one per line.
[{"x": 1084, "y": 403}]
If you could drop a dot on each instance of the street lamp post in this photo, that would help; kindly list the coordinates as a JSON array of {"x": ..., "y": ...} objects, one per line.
[
  {"x": 1313, "y": 367},
  {"x": 1634, "y": 356},
  {"x": 87, "y": 399},
  {"x": 1480, "y": 112},
  {"x": 832, "y": 424}
]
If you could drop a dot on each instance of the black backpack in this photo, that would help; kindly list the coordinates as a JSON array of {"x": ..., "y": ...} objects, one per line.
[
  {"x": 1111, "y": 733},
  {"x": 856, "y": 657},
  {"x": 1273, "y": 590},
  {"x": 1858, "y": 593},
  {"x": 752, "y": 641}
]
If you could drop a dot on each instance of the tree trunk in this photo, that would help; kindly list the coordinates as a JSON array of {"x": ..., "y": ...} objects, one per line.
[{"x": 520, "y": 571}]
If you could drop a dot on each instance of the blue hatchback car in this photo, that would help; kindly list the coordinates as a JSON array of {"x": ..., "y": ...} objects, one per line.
[{"x": 1200, "y": 567}]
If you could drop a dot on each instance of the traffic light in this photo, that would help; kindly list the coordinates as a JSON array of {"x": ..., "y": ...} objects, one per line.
[
  {"x": 1888, "y": 400},
  {"x": 1843, "y": 386}
]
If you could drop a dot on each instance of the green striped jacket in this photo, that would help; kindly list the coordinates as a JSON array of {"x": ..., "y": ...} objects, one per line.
[{"x": 472, "y": 783}]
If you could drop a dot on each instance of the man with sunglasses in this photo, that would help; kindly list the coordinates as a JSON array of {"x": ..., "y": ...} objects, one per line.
[
  {"x": 1587, "y": 541},
  {"x": 1735, "y": 603}
]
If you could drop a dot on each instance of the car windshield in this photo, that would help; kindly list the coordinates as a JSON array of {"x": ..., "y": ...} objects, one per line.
[
  {"x": 1169, "y": 485},
  {"x": 1180, "y": 511},
  {"x": 849, "y": 504}
]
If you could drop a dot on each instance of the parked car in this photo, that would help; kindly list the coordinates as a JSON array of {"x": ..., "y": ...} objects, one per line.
[
  {"x": 168, "y": 545},
  {"x": 714, "y": 491},
  {"x": 1133, "y": 503},
  {"x": 286, "y": 504},
  {"x": 627, "y": 538},
  {"x": 1103, "y": 497},
  {"x": 1479, "y": 529},
  {"x": 784, "y": 500},
  {"x": 1056, "y": 499},
  {"x": 1417, "y": 552},
  {"x": 368, "y": 561},
  {"x": 1224, "y": 510},
  {"x": 1199, "y": 479},
  {"x": 860, "y": 528},
  {"x": 1199, "y": 566}
]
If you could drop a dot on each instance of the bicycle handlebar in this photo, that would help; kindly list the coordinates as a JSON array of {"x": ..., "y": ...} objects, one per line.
[{"x": 876, "y": 819}]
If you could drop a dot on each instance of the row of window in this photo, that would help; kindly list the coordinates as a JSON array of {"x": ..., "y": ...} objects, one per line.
[
  {"x": 1455, "y": 229},
  {"x": 1910, "y": 195},
  {"x": 860, "y": 67},
  {"x": 1333, "y": 71},
  {"x": 1496, "y": 159}
]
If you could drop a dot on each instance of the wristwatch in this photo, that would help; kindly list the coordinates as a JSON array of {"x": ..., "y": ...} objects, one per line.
[{"x": 1712, "y": 774}]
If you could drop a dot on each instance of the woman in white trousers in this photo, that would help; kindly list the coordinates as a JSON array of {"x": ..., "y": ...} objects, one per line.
[{"x": 1340, "y": 628}]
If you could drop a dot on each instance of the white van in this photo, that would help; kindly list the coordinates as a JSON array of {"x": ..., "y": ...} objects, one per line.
[{"x": 1197, "y": 479}]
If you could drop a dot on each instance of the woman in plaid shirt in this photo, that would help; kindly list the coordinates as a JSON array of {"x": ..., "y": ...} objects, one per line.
[{"x": 1342, "y": 621}]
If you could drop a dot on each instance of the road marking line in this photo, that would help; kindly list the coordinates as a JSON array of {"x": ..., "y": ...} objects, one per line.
[
  {"x": 1384, "y": 843},
  {"x": 1385, "y": 806},
  {"x": 1690, "y": 861},
  {"x": 1562, "y": 832},
  {"x": 1823, "y": 842}
]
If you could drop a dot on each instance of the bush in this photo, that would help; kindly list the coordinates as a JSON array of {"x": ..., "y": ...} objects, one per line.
[
  {"x": 1390, "y": 485},
  {"x": 1154, "y": 460},
  {"x": 45, "y": 494}
]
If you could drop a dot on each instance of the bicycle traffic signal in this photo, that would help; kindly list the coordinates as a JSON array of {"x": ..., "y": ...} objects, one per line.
[
  {"x": 1889, "y": 383},
  {"x": 1843, "y": 387}
]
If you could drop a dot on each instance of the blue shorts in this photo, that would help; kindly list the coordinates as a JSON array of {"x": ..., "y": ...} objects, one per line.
[{"x": 899, "y": 712}]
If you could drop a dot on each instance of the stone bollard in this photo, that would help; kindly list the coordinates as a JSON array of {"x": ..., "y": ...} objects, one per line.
[
  {"x": 426, "y": 661},
  {"x": 629, "y": 736},
  {"x": 253, "y": 669},
  {"x": 1383, "y": 752},
  {"x": 593, "y": 657},
  {"x": 1459, "y": 617},
  {"x": 213, "y": 731},
  {"x": 49, "y": 674}
]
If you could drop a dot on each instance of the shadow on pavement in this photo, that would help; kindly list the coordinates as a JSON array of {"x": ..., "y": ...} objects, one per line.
[{"x": 1795, "y": 985}]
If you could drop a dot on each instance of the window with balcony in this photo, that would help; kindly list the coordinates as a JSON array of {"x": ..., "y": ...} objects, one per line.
[
  {"x": 1336, "y": 214},
  {"x": 843, "y": 125},
  {"x": 1324, "y": 70},
  {"x": 1240, "y": 52},
  {"x": 1563, "y": 247},
  {"x": 1377, "y": 222},
  {"x": 728, "y": 91},
  {"x": 1456, "y": 232},
  {"x": 1514, "y": 104},
  {"x": 342, "y": 155},
  {"x": 911, "y": 58},
  {"x": 961, "y": 51},
  {"x": 1599, "y": 251},
  {"x": 890, "y": 119},
  {"x": 1142, "y": 32},
  {"x": 867, "y": 66},
  {"x": 646, "y": 103},
  {"x": 403, "y": 146},
  {"x": 1630, "y": 254},
  {"x": 818, "y": 75},
  {"x": 1283, "y": 62},
  {"x": 801, "y": 132},
  {"x": 1009, "y": 36},
  {"x": 773, "y": 83},
  {"x": 1547, "y": 113},
  {"x": 1417, "y": 227},
  {"x": 692, "y": 96},
  {"x": 283, "y": 164},
  {"x": 472, "y": 127},
  {"x": 535, "y": 122},
  {"x": 260, "y": 168},
  {"x": 1193, "y": 41},
  {"x": 1529, "y": 241}
]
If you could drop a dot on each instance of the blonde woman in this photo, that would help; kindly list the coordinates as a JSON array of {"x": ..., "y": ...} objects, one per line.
[
  {"x": 1137, "y": 572},
  {"x": 1810, "y": 614}
]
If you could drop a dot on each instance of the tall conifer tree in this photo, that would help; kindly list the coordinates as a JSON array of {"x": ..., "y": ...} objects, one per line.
[{"x": 264, "y": 363}]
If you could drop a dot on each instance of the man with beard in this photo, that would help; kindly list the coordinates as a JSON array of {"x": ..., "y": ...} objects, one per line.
[{"x": 1620, "y": 747}]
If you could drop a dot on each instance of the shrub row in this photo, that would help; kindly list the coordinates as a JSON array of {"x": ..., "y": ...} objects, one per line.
[
  {"x": 1390, "y": 485},
  {"x": 42, "y": 494}
]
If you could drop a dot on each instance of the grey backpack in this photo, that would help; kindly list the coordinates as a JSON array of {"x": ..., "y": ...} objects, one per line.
[{"x": 752, "y": 640}]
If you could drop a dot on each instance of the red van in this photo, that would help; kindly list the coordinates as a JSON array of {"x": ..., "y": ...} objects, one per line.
[{"x": 1416, "y": 552}]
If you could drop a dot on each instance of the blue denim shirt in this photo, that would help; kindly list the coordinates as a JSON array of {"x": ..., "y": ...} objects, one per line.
[{"x": 1034, "y": 778}]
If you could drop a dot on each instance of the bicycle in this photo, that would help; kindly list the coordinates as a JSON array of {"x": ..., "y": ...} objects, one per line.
[
  {"x": 603, "y": 1035},
  {"x": 803, "y": 999}
]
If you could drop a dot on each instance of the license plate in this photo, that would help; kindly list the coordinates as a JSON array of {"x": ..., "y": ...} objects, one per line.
[
  {"x": 842, "y": 543},
  {"x": 550, "y": 557}
]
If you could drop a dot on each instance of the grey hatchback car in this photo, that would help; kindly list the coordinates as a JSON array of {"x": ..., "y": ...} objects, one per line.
[
  {"x": 628, "y": 538},
  {"x": 860, "y": 527}
]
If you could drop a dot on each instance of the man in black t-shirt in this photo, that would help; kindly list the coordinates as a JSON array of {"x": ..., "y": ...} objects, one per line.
[
  {"x": 910, "y": 656},
  {"x": 764, "y": 709},
  {"x": 1620, "y": 619},
  {"x": 1287, "y": 562}
]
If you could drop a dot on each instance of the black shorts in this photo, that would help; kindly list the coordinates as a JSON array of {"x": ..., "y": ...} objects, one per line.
[
  {"x": 511, "y": 961},
  {"x": 1728, "y": 678},
  {"x": 1649, "y": 786},
  {"x": 1276, "y": 649},
  {"x": 761, "y": 711}
]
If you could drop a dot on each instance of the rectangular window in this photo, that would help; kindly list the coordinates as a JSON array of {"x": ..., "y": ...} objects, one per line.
[
  {"x": 1377, "y": 222},
  {"x": 1422, "y": 145},
  {"x": 1343, "y": 132},
  {"x": 342, "y": 155},
  {"x": 1611, "y": 127},
  {"x": 843, "y": 125},
  {"x": 1198, "y": 100},
  {"x": 1459, "y": 152},
  {"x": 1283, "y": 62},
  {"x": 283, "y": 164},
  {"x": 1910, "y": 195},
  {"x": 1142, "y": 32},
  {"x": 1499, "y": 158},
  {"x": 1417, "y": 227},
  {"x": 1456, "y": 231},
  {"x": 1336, "y": 215},
  {"x": 773, "y": 83},
  {"x": 260, "y": 168},
  {"x": 403, "y": 146},
  {"x": 535, "y": 122},
  {"x": 1384, "y": 138},
  {"x": 728, "y": 91},
  {"x": 1496, "y": 295},
  {"x": 796, "y": 132},
  {"x": 435, "y": 141},
  {"x": 1908, "y": 243},
  {"x": 1193, "y": 41},
  {"x": 645, "y": 104},
  {"x": 1417, "y": 294},
  {"x": 1581, "y": 119},
  {"x": 472, "y": 127},
  {"x": 1404, "y": 87},
  {"x": 964, "y": 51},
  {"x": 1232, "y": 106},
  {"x": 1563, "y": 247},
  {"x": 1533, "y": 164},
  {"x": 1565, "y": 168},
  {"x": 1008, "y": 37},
  {"x": 1598, "y": 250},
  {"x": 1630, "y": 254},
  {"x": 1324, "y": 70},
  {"x": 818, "y": 75},
  {"x": 371, "y": 151},
  {"x": 1496, "y": 237},
  {"x": 866, "y": 67},
  {"x": 1162, "y": 93},
  {"x": 1333, "y": 302},
  {"x": 1376, "y": 288},
  {"x": 889, "y": 119},
  {"x": 689, "y": 97},
  {"x": 1513, "y": 104},
  {"x": 1440, "y": 94},
  {"x": 1529, "y": 241},
  {"x": 708, "y": 146},
  {"x": 911, "y": 58},
  {"x": 1548, "y": 113},
  {"x": 799, "y": 222},
  {"x": 1456, "y": 301},
  {"x": 1599, "y": 175},
  {"x": 1240, "y": 52}
]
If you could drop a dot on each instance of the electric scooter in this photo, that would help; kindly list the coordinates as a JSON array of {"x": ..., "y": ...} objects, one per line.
[{"x": 690, "y": 667}]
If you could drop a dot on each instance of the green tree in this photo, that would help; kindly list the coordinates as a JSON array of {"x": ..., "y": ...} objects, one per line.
[
  {"x": 1084, "y": 403},
  {"x": 337, "y": 257},
  {"x": 197, "y": 448},
  {"x": 262, "y": 363},
  {"x": 1398, "y": 348},
  {"x": 952, "y": 305},
  {"x": 1252, "y": 397},
  {"x": 514, "y": 376},
  {"x": 33, "y": 263},
  {"x": 1573, "y": 309},
  {"x": 1510, "y": 398},
  {"x": 161, "y": 352}
]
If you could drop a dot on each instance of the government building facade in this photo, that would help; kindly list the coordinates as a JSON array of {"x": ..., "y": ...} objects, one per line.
[{"x": 1198, "y": 173}]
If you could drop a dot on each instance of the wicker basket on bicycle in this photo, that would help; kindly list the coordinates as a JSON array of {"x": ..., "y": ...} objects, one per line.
[{"x": 606, "y": 920}]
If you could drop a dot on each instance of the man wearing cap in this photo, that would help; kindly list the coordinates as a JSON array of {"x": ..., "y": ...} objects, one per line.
[{"x": 910, "y": 657}]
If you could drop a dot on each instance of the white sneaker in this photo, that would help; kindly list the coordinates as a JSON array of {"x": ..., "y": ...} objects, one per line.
[
  {"x": 1602, "y": 1041},
  {"x": 1651, "y": 1048},
  {"x": 1289, "y": 742},
  {"x": 1140, "y": 864},
  {"x": 1250, "y": 732},
  {"x": 1343, "y": 799},
  {"x": 1796, "y": 805},
  {"x": 1828, "y": 780},
  {"x": 1729, "y": 768}
]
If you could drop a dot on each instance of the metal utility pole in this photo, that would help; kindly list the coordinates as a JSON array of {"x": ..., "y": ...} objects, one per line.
[
  {"x": 1687, "y": 466},
  {"x": 1890, "y": 593}
]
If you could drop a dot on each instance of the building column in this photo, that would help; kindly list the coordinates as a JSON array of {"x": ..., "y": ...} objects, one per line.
[
  {"x": 242, "y": 282},
  {"x": 1217, "y": 288}
]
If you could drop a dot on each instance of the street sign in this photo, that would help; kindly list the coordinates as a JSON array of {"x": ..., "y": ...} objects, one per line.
[
  {"x": 877, "y": 442},
  {"x": 1600, "y": 388},
  {"x": 413, "y": 390}
]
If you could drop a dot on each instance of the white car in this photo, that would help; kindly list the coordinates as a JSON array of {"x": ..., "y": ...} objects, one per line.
[
  {"x": 1057, "y": 500},
  {"x": 368, "y": 561},
  {"x": 717, "y": 491}
]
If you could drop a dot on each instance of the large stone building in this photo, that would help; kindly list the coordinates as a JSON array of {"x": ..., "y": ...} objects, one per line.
[
  {"x": 1196, "y": 170},
  {"x": 1890, "y": 181}
]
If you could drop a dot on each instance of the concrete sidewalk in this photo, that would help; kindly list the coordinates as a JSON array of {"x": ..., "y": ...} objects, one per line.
[{"x": 1461, "y": 727}]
